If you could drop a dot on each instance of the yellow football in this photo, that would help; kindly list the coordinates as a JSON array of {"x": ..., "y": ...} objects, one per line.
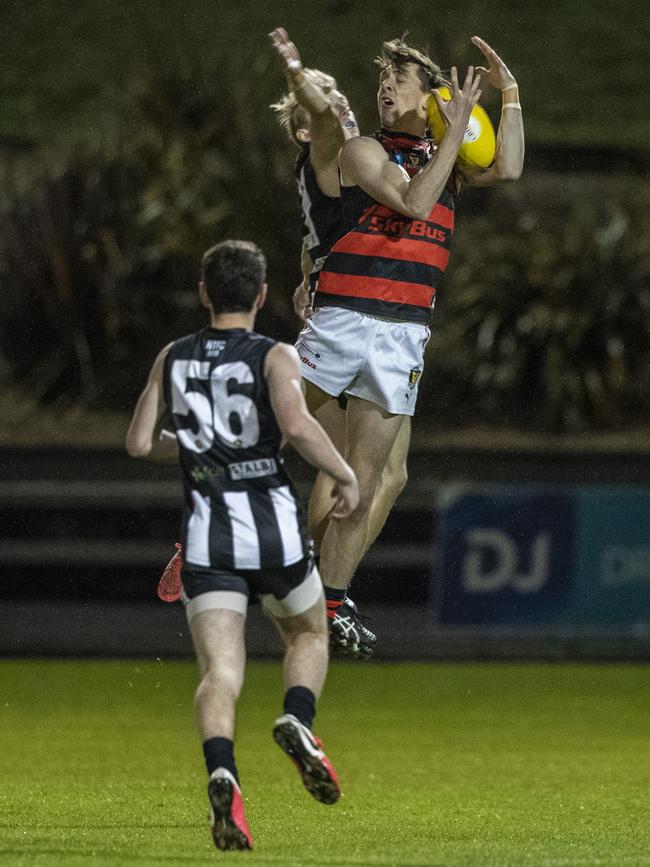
[{"x": 479, "y": 141}]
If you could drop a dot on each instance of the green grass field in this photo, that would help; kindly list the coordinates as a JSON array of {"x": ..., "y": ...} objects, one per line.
[{"x": 441, "y": 764}]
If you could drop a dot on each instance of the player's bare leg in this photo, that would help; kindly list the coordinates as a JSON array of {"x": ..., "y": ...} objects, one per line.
[
  {"x": 393, "y": 478},
  {"x": 372, "y": 433},
  {"x": 218, "y": 636},
  {"x": 305, "y": 667},
  {"x": 393, "y": 481},
  {"x": 315, "y": 397},
  {"x": 306, "y": 648},
  {"x": 341, "y": 610},
  {"x": 334, "y": 420}
]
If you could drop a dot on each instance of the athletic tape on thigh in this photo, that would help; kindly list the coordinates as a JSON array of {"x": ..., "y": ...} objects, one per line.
[
  {"x": 229, "y": 599},
  {"x": 299, "y": 600}
]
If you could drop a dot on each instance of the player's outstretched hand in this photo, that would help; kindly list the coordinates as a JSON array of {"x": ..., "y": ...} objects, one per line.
[
  {"x": 456, "y": 112},
  {"x": 286, "y": 51},
  {"x": 302, "y": 302},
  {"x": 347, "y": 498},
  {"x": 497, "y": 73}
]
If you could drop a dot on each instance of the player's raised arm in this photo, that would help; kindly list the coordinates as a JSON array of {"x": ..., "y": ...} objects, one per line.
[
  {"x": 301, "y": 428},
  {"x": 148, "y": 412},
  {"x": 509, "y": 155},
  {"x": 309, "y": 95},
  {"x": 331, "y": 119},
  {"x": 364, "y": 162}
]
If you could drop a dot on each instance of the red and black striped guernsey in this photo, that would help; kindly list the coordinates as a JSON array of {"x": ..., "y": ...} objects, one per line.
[{"x": 388, "y": 264}]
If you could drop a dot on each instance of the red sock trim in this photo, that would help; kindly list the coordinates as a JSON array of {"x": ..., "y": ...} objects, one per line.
[{"x": 333, "y": 606}]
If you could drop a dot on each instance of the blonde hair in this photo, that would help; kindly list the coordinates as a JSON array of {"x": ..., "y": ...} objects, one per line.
[{"x": 291, "y": 115}]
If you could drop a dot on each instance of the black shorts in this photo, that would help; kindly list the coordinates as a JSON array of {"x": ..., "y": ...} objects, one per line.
[{"x": 284, "y": 592}]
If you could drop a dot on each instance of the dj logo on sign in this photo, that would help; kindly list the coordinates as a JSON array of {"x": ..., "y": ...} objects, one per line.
[
  {"x": 506, "y": 556},
  {"x": 492, "y": 562}
]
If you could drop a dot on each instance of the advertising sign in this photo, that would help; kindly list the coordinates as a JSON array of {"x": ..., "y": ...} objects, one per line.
[{"x": 532, "y": 554}]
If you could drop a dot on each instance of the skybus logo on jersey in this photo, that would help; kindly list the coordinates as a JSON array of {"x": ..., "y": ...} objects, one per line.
[{"x": 396, "y": 226}]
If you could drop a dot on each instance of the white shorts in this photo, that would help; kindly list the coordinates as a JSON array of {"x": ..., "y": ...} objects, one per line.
[{"x": 379, "y": 360}]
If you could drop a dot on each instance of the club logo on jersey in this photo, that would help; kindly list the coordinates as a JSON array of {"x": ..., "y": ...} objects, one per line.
[
  {"x": 207, "y": 474},
  {"x": 411, "y": 160},
  {"x": 214, "y": 348},
  {"x": 414, "y": 374}
]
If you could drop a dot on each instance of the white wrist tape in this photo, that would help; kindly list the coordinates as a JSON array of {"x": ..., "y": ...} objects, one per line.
[
  {"x": 510, "y": 87},
  {"x": 516, "y": 105}
]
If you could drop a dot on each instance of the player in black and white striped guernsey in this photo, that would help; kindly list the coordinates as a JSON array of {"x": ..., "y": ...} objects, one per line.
[
  {"x": 241, "y": 509},
  {"x": 232, "y": 396}
]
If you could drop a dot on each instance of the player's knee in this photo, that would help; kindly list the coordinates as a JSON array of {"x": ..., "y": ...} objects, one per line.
[
  {"x": 312, "y": 626},
  {"x": 395, "y": 480},
  {"x": 317, "y": 626},
  {"x": 219, "y": 679},
  {"x": 313, "y": 640}
]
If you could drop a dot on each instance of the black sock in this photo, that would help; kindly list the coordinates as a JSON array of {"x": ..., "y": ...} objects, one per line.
[
  {"x": 333, "y": 599},
  {"x": 301, "y": 702},
  {"x": 219, "y": 753}
]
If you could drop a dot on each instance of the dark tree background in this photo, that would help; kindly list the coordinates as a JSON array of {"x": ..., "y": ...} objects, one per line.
[{"x": 134, "y": 135}]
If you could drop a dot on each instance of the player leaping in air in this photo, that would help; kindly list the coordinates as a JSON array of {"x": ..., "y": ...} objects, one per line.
[
  {"x": 318, "y": 120},
  {"x": 375, "y": 291},
  {"x": 232, "y": 396}
]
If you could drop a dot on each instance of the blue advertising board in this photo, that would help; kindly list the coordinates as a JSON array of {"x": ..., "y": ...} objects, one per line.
[
  {"x": 531, "y": 554},
  {"x": 612, "y": 556}
]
